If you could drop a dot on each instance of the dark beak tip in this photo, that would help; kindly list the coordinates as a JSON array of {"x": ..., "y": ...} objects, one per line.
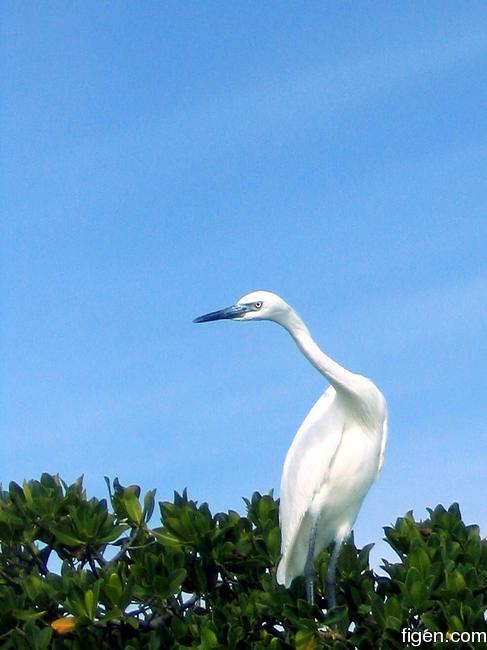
[
  {"x": 228, "y": 313},
  {"x": 206, "y": 318}
]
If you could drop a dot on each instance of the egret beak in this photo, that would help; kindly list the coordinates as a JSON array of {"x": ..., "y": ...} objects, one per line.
[{"x": 235, "y": 311}]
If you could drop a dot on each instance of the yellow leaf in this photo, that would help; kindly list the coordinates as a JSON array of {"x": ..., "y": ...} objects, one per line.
[{"x": 64, "y": 625}]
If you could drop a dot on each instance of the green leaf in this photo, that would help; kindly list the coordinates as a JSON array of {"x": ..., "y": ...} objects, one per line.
[
  {"x": 394, "y": 623},
  {"x": 10, "y": 519},
  {"x": 415, "y": 588},
  {"x": 112, "y": 534},
  {"x": 274, "y": 542},
  {"x": 65, "y": 536},
  {"x": 114, "y": 588},
  {"x": 209, "y": 638},
  {"x": 176, "y": 579},
  {"x": 44, "y": 638},
  {"x": 166, "y": 538},
  {"x": 432, "y": 622},
  {"x": 305, "y": 639},
  {"x": 90, "y": 604},
  {"x": 455, "y": 582},
  {"x": 132, "y": 506},
  {"x": 455, "y": 624},
  {"x": 27, "y": 614},
  {"x": 149, "y": 502}
]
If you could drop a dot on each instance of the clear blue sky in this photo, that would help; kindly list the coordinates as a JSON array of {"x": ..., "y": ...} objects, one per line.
[{"x": 159, "y": 160}]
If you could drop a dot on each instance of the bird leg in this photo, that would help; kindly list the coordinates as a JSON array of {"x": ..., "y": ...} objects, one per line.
[
  {"x": 309, "y": 566},
  {"x": 310, "y": 590},
  {"x": 330, "y": 578}
]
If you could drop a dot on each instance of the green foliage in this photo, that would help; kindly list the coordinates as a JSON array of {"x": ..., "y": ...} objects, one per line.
[{"x": 75, "y": 573}]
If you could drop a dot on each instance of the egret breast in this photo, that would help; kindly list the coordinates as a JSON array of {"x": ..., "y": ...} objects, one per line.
[{"x": 353, "y": 471}]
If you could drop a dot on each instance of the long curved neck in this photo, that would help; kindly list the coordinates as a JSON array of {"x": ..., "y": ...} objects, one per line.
[{"x": 339, "y": 377}]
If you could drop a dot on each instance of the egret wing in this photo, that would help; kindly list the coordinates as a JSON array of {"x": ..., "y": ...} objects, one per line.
[
  {"x": 306, "y": 469},
  {"x": 383, "y": 444}
]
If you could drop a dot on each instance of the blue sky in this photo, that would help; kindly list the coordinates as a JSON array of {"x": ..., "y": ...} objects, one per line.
[{"x": 159, "y": 160}]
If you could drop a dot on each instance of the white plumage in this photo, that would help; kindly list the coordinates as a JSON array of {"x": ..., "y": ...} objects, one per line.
[
  {"x": 335, "y": 456},
  {"x": 332, "y": 462}
]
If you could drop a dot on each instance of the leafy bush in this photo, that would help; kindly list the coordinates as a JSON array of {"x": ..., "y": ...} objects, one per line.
[{"x": 75, "y": 573}]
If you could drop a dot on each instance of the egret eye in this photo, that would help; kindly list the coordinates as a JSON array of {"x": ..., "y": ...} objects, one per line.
[{"x": 258, "y": 305}]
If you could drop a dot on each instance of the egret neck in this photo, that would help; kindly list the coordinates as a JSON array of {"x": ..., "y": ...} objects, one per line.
[{"x": 339, "y": 377}]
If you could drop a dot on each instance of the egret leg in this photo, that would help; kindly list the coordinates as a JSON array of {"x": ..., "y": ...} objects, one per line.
[
  {"x": 309, "y": 566},
  {"x": 330, "y": 578}
]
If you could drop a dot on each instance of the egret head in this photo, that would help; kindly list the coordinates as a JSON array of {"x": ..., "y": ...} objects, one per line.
[{"x": 257, "y": 305}]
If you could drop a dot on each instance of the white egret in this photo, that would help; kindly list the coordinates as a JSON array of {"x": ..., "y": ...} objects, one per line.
[{"x": 334, "y": 458}]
